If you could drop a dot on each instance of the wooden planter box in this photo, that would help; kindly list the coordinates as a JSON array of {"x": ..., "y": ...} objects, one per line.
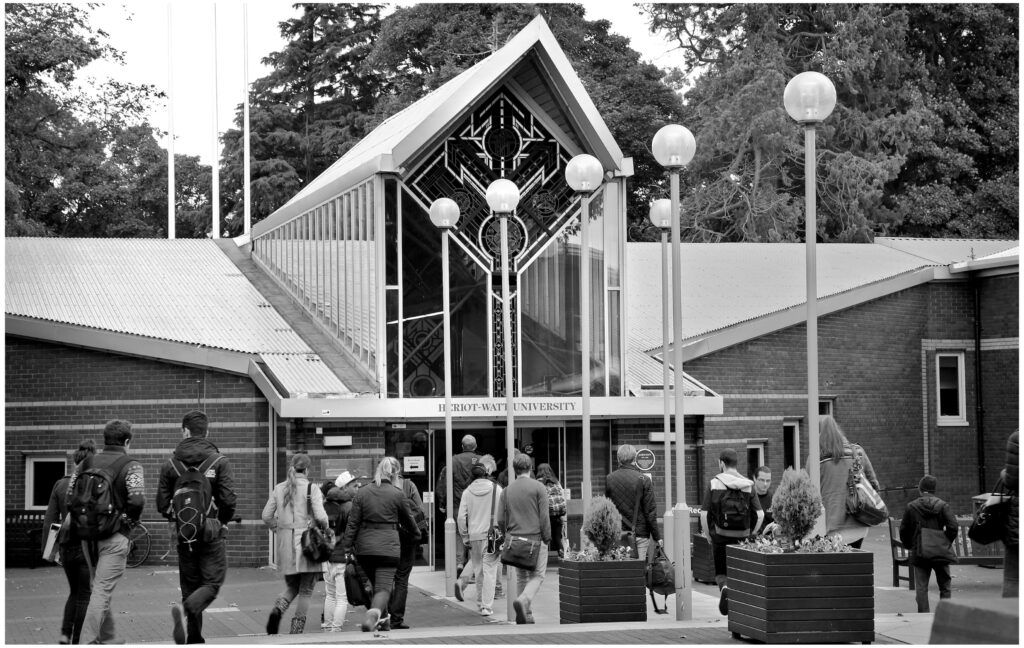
[
  {"x": 801, "y": 597},
  {"x": 590, "y": 592}
]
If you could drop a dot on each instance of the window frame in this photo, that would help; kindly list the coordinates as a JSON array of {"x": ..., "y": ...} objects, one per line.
[
  {"x": 30, "y": 476},
  {"x": 959, "y": 420}
]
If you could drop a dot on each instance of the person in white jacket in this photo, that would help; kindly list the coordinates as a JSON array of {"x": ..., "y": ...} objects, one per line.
[{"x": 477, "y": 513}]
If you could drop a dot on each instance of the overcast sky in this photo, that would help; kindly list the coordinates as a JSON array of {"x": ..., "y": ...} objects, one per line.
[{"x": 140, "y": 31}]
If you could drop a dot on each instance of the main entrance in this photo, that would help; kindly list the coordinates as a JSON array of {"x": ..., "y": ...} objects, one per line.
[{"x": 420, "y": 448}]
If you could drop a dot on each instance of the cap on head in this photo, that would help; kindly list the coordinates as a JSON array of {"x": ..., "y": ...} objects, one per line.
[
  {"x": 928, "y": 484},
  {"x": 343, "y": 479}
]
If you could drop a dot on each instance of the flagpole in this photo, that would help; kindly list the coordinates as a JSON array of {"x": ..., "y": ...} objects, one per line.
[
  {"x": 246, "y": 181},
  {"x": 170, "y": 127},
  {"x": 215, "y": 166}
]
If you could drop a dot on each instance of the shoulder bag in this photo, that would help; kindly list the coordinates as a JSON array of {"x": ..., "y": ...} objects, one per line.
[
  {"x": 933, "y": 546},
  {"x": 862, "y": 500},
  {"x": 317, "y": 543},
  {"x": 519, "y": 551},
  {"x": 990, "y": 523},
  {"x": 495, "y": 538}
]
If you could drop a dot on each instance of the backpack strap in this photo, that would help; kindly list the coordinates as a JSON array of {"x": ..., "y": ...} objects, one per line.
[{"x": 494, "y": 494}]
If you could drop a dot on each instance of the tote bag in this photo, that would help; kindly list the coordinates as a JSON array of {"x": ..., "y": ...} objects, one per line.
[{"x": 862, "y": 500}]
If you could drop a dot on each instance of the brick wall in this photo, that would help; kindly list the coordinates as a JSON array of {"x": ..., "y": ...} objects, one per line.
[{"x": 58, "y": 395}]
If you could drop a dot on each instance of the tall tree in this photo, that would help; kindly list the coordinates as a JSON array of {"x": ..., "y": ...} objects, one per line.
[
  {"x": 901, "y": 143},
  {"x": 309, "y": 110},
  {"x": 80, "y": 162}
]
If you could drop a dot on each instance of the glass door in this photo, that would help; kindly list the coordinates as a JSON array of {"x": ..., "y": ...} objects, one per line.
[{"x": 414, "y": 449}]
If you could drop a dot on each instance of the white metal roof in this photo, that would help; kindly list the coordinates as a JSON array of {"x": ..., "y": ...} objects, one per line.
[
  {"x": 726, "y": 284},
  {"x": 946, "y": 251},
  {"x": 403, "y": 135},
  {"x": 185, "y": 291}
]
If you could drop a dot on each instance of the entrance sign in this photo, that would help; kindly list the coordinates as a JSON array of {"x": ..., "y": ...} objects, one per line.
[
  {"x": 413, "y": 464},
  {"x": 644, "y": 459}
]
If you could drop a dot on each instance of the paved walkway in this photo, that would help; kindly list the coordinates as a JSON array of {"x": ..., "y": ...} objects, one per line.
[{"x": 34, "y": 600}]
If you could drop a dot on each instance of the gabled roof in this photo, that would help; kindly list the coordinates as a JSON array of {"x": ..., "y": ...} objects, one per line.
[
  {"x": 181, "y": 298},
  {"x": 737, "y": 291},
  {"x": 402, "y": 136}
]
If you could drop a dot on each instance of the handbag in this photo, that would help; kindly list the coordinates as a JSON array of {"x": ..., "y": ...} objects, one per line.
[
  {"x": 659, "y": 575},
  {"x": 358, "y": 590},
  {"x": 934, "y": 546},
  {"x": 51, "y": 552},
  {"x": 862, "y": 500},
  {"x": 495, "y": 536},
  {"x": 316, "y": 543},
  {"x": 990, "y": 523},
  {"x": 521, "y": 552}
]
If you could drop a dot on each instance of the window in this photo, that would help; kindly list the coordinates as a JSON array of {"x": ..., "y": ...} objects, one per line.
[
  {"x": 950, "y": 392},
  {"x": 41, "y": 473},
  {"x": 755, "y": 457},
  {"x": 791, "y": 444},
  {"x": 826, "y": 407}
]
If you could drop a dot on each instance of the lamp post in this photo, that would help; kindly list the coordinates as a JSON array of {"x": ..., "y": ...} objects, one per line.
[
  {"x": 809, "y": 98},
  {"x": 673, "y": 148},
  {"x": 661, "y": 217},
  {"x": 444, "y": 214},
  {"x": 584, "y": 174},
  {"x": 503, "y": 197}
]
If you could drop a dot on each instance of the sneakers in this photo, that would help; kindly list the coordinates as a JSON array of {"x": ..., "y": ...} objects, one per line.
[
  {"x": 273, "y": 621},
  {"x": 178, "y": 619},
  {"x": 486, "y": 611},
  {"x": 458, "y": 591},
  {"x": 370, "y": 620},
  {"x": 517, "y": 605},
  {"x": 64, "y": 639},
  {"x": 384, "y": 625},
  {"x": 723, "y": 602}
]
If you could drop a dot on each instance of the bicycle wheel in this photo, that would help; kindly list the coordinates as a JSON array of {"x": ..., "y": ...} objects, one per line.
[{"x": 139, "y": 542}]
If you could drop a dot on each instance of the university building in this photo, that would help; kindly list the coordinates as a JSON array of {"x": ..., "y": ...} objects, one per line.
[{"x": 321, "y": 332}]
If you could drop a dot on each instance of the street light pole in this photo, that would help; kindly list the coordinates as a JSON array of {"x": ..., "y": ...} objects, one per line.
[
  {"x": 660, "y": 216},
  {"x": 673, "y": 147},
  {"x": 444, "y": 214},
  {"x": 503, "y": 197},
  {"x": 584, "y": 173},
  {"x": 810, "y": 98}
]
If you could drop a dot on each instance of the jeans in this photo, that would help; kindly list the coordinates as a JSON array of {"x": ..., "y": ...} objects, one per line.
[
  {"x": 1011, "y": 575},
  {"x": 201, "y": 572},
  {"x": 718, "y": 545},
  {"x": 922, "y": 573},
  {"x": 381, "y": 572},
  {"x": 401, "y": 586},
  {"x": 484, "y": 568},
  {"x": 530, "y": 582},
  {"x": 77, "y": 572},
  {"x": 298, "y": 586},
  {"x": 641, "y": 547},
  {"x": 556, "y": 532},
  {"x": 111, "y": 561},
  {"x": 336, "y": 600}
]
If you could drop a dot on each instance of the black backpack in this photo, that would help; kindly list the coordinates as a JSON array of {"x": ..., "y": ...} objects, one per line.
[
  {"x": 96, "y": 507},
  {"x": 192, "y": 500},
  {"x": 730, "y": 509}
]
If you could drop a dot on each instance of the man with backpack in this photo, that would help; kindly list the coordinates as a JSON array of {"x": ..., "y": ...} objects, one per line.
[
  {"x": 928, "y": 512},
  {"x": 197, "y": 494},
  {"x": 462, "y": 476},
  {"x": 725, "y": 516},
  {"x": 105, "y": 497},
  {"x": 633, "y": 494}
]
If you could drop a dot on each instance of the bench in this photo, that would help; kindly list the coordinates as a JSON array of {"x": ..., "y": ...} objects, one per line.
[{"x": 967, "y": 551}]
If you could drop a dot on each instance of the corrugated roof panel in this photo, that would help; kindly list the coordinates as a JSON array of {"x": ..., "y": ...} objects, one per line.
[
  {"x": 307, "y": 373},
  {"x": 178, "y": 290}
]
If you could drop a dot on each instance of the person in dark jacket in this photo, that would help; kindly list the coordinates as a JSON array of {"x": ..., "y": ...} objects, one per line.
[
  {"x": 202, "y": 565},
  {"x": 928, "y": 512},
  {"x": 109, "y": 556},
  {"x": 626, "y": 487},
  {"x": 462, "y": 476},
  {"x": 400, "y": 592},
  {"x": 338, "y": 504},
  {"x": 379, "y": 510},
  {"x": 1011, "y": 481},
  {"x": 71, "y": 557}
]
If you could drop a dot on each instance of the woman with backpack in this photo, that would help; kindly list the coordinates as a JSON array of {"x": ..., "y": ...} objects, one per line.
[
  {"x": 837, "y": 457},
  {"x": 338, "y": 503},
  {"x": 556, "y": 505},
  {"x": 76, "y": 569},
  {"x": 288, "y": 512},
  {"x": 379, "y": 510}
]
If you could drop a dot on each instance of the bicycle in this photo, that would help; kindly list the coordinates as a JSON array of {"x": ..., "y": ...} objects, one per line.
[{"x": 138, "y": 544}]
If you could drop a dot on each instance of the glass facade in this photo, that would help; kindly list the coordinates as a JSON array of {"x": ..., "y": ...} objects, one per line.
[{"x": 327, "y": 259}]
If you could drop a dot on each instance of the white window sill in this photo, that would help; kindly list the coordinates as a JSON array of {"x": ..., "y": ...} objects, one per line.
[{"x": 952, "y": 423}]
